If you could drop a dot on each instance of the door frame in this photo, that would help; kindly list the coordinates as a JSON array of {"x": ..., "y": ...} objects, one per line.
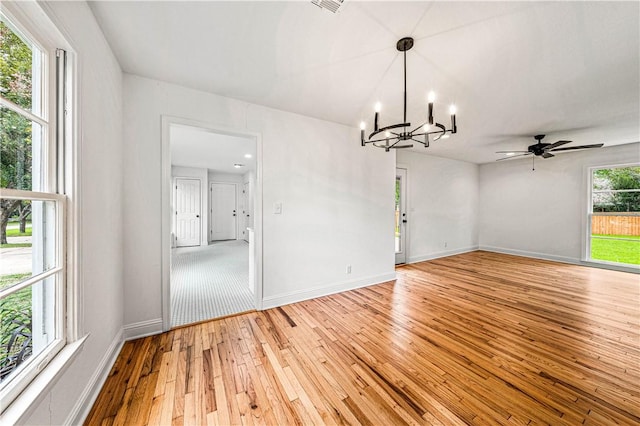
[
  {"x": 407, "y": 211},
  {"x": 165, "y": 225},
  {"x": 174, "y": 182},
  {"x": 210, "y": 206},
  {"x": 245, "y": 207}
]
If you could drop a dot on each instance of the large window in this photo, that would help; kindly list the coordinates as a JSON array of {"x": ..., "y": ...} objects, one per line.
[
  {"x": 32, "y": 206},
  {"x": 615, "y": 215}
]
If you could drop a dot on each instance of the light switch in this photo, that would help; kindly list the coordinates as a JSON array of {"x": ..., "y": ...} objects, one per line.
[{"x": 277, "y": 208}]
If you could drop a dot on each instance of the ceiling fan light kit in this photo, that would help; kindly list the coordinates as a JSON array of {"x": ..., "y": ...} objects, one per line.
[{"x": 394, "y": 134}]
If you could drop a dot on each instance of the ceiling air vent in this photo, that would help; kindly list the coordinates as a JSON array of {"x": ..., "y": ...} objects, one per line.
[{"x": 330, "y": 5}]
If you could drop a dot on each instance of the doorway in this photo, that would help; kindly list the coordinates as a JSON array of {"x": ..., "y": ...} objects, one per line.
[
  {"x": 209, "y": 270},
  {"x": 400, "y": 225}
]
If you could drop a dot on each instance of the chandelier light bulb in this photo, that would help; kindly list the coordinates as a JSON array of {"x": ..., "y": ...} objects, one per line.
[
  {"x": 378, "y": 107},
  {"x": 431, "y": 97},
  {"x": 426, "y": 127},
  {"x": 387, "y": 134},
  {"x": 362, "y": 125},
  {"x": 452, "y": 109}
]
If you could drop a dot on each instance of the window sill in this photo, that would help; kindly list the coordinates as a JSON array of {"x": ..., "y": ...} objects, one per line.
[
  {"x": 613, "y": 266},
  {"x": 22, "y": 407}
]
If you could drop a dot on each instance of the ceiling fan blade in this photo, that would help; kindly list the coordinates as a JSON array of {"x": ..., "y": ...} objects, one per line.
[
  {"x": 596, "y": 145},
  {"x": 507, "y": 152},
  {"x": 556, "y": 144},
  {"x": 547, "y": 155},
  {"x": 402, "y": 146},
  {"x": 513, "y": 156}
]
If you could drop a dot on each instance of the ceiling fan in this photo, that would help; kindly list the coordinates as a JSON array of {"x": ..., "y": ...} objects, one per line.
[{"x": 544, "y": 150}]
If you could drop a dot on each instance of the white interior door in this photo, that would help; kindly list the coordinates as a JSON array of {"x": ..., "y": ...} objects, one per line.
[
  {"x": 400, "y": 225},
  {"x": 223, "y": 211},
  {"x": 244, "y": 219},
  {"x": 187, "y": 199}
]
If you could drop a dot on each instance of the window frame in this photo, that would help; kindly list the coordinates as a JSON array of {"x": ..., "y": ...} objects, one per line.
[
  {"x": 590, "y": 214},
  {"x": 61, "y": 187}
]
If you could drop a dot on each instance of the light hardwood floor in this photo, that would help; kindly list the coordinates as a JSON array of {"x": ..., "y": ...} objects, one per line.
[{"x": 478, "y": 338}]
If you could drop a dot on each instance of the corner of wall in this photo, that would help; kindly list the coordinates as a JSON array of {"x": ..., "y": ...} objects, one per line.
[{"x": 85, "y": 402}]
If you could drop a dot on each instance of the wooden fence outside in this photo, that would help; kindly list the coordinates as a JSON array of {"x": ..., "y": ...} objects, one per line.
[{"x": 615, "y": 224}]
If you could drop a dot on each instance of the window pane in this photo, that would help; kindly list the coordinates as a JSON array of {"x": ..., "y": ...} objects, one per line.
[
  {"x": 20, "y": 69},
  {"x": 21, "y": 142},
  {"x": 618, "y": 250},
  {"x": 616, "y": 179},
  {"x": 398, "y": 236},
  {"x": 15, "y": 331},
  {"x": 30, "y": 236},
  {"x": 26, "y": 325}
]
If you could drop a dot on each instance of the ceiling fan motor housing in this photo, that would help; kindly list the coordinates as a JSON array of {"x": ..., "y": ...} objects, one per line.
[{"x": 538, "y": 149}]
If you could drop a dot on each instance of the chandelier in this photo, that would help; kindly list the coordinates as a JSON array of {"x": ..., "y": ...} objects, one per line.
[{"x": 390, "y": 137}]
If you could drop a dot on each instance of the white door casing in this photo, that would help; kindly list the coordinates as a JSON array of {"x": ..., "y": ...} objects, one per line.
[
  {"x": 187, "y": 199},
  {"x": 244, "y": 220},
  {"x": 400, "y": 227},
  {"x": 223, "y": 211}
]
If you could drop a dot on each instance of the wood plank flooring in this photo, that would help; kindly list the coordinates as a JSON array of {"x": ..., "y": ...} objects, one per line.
[{"x": 478, "y": 338}]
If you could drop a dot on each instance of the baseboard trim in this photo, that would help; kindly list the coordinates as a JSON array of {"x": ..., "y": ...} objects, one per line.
[
  {"x": 437, "y": 255},
  {"x": 532, "y": 254},
  {"x": 562, "y": 259},
  {"x": 299, "y": 296},
  {"x": 142, "y": 329},
  {"x": 88, "y": 397}
]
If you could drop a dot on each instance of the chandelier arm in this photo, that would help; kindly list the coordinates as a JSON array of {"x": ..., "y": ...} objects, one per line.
[
  {"x": 393, "y": 126},
  {"x": 395, "y": 143},
  {"x": 419, "y": 127},
  {"x": 442, "y": 128},
  {"x": 380, "y": 140}
]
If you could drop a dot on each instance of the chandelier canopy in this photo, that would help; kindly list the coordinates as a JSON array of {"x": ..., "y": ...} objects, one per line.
[{"x": 390, "y": 137}]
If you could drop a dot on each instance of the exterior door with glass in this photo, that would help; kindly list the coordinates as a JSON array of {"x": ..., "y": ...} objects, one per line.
[{"x": 401, "y": 216}]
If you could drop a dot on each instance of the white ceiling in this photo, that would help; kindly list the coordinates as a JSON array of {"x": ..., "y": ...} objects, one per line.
[
  {"x": 514, "y": 69},
  {"x": 196, "y": 147}
]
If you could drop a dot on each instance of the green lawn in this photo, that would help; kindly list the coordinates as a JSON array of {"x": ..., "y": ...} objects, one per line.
[
  {"x": 14, "y": 231},
  {"x": 620, "y": 251},
  {"x": 13, "y": 245}
]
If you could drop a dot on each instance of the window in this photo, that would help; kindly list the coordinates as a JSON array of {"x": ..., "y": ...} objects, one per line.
[
  {"x": 614, "y": 225},
  {"x": 33, "y": 286}
]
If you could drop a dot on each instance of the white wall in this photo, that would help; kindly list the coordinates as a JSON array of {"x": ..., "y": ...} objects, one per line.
[
  {"x": 337, "y": 197},
  {"x": 542, "y": 213},
  {"x": 442, "y": 197},
  {"x": 197, "y": 173},
  {"x": 101, "y": 209}
]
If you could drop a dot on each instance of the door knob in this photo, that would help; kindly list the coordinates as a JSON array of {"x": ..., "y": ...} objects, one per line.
[{"x": 197, "y": 215}]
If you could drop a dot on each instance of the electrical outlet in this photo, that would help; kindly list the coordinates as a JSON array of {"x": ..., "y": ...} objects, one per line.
[{"x": 348, "y": 269}]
